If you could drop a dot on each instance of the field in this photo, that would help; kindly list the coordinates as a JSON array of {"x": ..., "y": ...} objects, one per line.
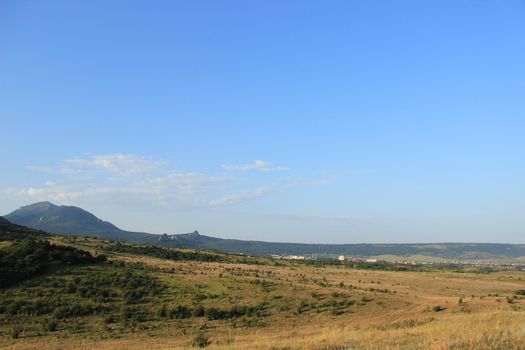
[{"x": 142, "y": 298}]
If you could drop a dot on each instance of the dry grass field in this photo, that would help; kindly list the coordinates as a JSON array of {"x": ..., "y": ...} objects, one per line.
[{"x": 294, "y": 306}]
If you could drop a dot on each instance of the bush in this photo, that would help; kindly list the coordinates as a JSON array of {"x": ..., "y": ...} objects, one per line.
[
  {"x": 60, "y": 312},
  {"x": 108, "y": 319},
  {"x": 199, "y": 311},
  {"x": 163, "y": 311},
  {"x": 201, "y": 341},
  {"x": 215, "y": 314},
  {"x": 337, "y": 312},
  {"x": 125, "y": 313},
  {"x": 15, "y": 332},
  {"x": 50, "y": 325},
  {"x": 180, "y": 312}
]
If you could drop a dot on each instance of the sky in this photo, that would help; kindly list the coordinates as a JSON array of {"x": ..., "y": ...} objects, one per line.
[{"x": 297, "y": 121}]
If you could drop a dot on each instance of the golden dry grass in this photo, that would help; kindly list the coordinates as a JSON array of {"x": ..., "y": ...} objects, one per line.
[
  {"x": 490, "y": 331},
  {"x": 393, "y": 310}
]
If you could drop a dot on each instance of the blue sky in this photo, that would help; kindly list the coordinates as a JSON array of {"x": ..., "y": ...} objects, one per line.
[{"x": 301, "y": 121}]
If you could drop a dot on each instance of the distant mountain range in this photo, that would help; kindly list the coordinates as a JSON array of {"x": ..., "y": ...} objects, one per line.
[
  {"x": 69, "y": 220},
  {"x": 445, "y": 251}
]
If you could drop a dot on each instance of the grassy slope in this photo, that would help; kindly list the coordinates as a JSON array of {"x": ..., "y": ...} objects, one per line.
[{"x": 294, "y": 305}]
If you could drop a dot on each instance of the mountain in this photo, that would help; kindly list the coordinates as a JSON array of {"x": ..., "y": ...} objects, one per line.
[{"x": 69, "y": 220}]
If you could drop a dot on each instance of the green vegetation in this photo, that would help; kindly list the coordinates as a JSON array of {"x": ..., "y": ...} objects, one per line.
[
  {"x": 12, "y": 232},
  {"x": 58, "y": 289},
  {"x": 29, "y": 258},
  {"x": 162, "y": 253}
]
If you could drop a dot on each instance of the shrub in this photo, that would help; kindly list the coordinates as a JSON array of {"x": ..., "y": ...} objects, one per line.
[
  {"x": 201, "y": 341},
  {"x": 199, "y": 311},
  {"x": 108, "y": 319},
  {"x": 214, "y": 314},
  {"x": 337, "y": 312},
  {"x": 163, "y": 311},
  {"x": 50, "y": 325},
  {"x": 180, "y": 312},
  {"x": 125, "y": 313},
  {"x": 15, "y": 332}
]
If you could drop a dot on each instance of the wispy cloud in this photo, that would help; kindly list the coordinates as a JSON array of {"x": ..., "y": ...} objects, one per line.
[
  {"x": 259, "y": 165},
  {"x": 123, "y": 164},
  {"x": 40, "y": 168},
  {"x": 241, "y": 196},
  {"x": 136, "y": 179},
  {"x": 126, "y": 178},
  {"x": 331, "y": 177},
  {"x": 332, "y": 219}
]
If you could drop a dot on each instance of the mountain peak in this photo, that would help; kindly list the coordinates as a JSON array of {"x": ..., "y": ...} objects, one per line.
[
  {"x": 44, "y": 205},
  {"x": 35, "y": 209},
  {"x": 70, "y": 220},
  {"x": 60, "y": 219}
]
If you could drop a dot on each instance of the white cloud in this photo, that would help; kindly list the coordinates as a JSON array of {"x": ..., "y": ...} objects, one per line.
[
  {"x": 259, "y": 165},
  {"x": 127, "y": 179},
  {"x": 48, "y": 192},
  {"x": 123, "y": 164},
  {"x": 241, "y": 196},
  {"x": 39, "y": 168},
  {"x": 184, "y": 182},
  {"x": 332, "y": 219}
]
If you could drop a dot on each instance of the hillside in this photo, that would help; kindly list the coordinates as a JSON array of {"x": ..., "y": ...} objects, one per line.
[
  {"x": 69, "y": 220},
  {"x": 142, "y": 296},
  {"x": 10, "y": 231}
]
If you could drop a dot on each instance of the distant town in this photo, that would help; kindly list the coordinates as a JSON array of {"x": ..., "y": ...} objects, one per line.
[{"x": 342, "y": 259}]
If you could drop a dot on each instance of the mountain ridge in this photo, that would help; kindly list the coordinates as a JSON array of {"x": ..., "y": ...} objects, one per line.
[{"x": 70, "y": 220}]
